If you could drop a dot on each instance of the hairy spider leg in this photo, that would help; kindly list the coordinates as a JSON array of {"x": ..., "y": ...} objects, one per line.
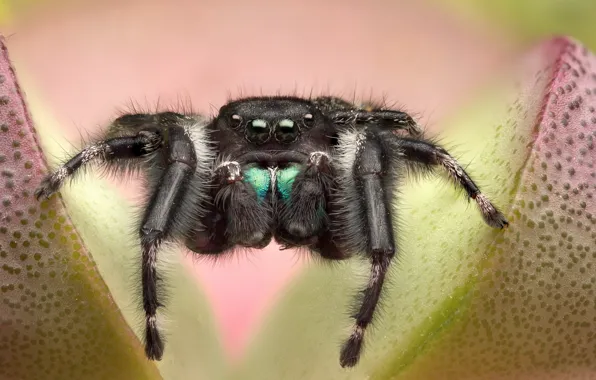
[
  {"x": 429, "y": 154},
  {"x": 127, "y": 143},
  {"x": 390, "y": 119},
  {"x": 369, "y": 176},
  {"x": 155, "y": 227},
  {"x": 130, "y": 142},
  {"x": 343, "y": 113},
  {"x": 106, "y": 152}
]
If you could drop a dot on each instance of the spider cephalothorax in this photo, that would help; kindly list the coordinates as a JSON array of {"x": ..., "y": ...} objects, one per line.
[{"x": 317, "y": 173}]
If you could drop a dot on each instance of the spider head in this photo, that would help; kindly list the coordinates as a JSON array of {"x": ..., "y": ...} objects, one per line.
[{"x": 260, "y": 120}]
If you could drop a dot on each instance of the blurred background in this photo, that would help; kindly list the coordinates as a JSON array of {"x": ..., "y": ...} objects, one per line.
[{"x": 89, "y": 59}]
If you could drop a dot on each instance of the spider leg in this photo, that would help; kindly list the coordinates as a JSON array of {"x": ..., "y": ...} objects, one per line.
[
  {"x": 164, "y": 145},
  {"x": 369, "y": 176},
  {"x": 429, "y": 154},
  {"x": 343, "y": 113},
  {"x": 390, "y": 119},
  {"x": 105, "y": 152},
  {"x": 156, "y": 226}
]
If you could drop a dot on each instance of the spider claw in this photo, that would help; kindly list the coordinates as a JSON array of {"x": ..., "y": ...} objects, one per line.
[
  {"x": 154, "y": 346},
  {"x": 50, "y": 184},
  {"x": 43, "y": 191},
  {"x": 491, "y": 215},
  {"x": 497, "y": 220}
]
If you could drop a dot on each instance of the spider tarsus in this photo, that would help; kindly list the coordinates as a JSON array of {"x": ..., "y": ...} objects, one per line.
[
  {"x": 154, "y": 345},
  {"x": 351, "y": 349},
  {"x": 50, "y": 184},
  {"x": 248, "y": 222},
  {"x": 301, "y": 216},
  {"x": 496, "y": 220},
  {"x": 44, "y": 191},
  {"x": 491, "y": 215},
  {"x": 150, "y": 241}
]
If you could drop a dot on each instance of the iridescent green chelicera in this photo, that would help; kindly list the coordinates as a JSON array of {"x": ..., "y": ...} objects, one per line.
[{"x": 260, "y": 179}]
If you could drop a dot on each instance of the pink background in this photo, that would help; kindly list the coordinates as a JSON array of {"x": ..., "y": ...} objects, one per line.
[{"x": 88, "y": 61}]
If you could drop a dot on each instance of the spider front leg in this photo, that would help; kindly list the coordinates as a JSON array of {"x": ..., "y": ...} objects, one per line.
[
  {"x": 343, "y": 113},
  {"x": 149, "y": 135},
  {"x": 429, "y": 154},
  {"x": 109, "y": 153},
  {"x": 156, "y": 226},
  {"x": 369, "y": 176}
]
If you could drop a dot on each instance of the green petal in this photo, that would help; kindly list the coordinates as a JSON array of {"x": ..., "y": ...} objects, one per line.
[
  {"x": 78, "y": 314},
  {"x": 464, "y": 299}
]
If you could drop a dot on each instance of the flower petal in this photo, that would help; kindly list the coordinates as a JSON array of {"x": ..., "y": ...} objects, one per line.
[
  {"x": 58, "y": 320},
  {"x": 466, "y": 300}
]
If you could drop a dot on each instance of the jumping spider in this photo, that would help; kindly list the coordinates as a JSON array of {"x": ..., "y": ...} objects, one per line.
[{"x": 317, "y": 173}]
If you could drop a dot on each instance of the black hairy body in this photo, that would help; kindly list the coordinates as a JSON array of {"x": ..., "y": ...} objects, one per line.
[{"x": 317, "y": 173}]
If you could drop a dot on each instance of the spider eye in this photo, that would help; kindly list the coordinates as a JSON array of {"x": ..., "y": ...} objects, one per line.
[
  {"x": 257, "y": 131},
  {"x": 286, "y": 125},
  {"x": 286, "y": 131},
  {"x": 235, "y": 121},
  {"x": 309, "y": 120},
  {"x": 258, "y": 125}
]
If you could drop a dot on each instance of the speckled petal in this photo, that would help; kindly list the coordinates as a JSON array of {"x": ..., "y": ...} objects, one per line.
[
  {"x": 58, "y": 320},
  {"x": 532, "y": 313}
]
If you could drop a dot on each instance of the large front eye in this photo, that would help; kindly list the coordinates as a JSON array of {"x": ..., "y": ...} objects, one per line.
[
  {"x": 235, "y": 121},
  {"x": 257, "y": 131},
  {"x": 286, "y": 126},
  {"x": 286, "y": 131},
  {"x": 258, "y": 125}
]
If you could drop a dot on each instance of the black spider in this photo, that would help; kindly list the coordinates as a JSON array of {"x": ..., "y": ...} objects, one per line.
[{"x": 318, "y": 173}]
